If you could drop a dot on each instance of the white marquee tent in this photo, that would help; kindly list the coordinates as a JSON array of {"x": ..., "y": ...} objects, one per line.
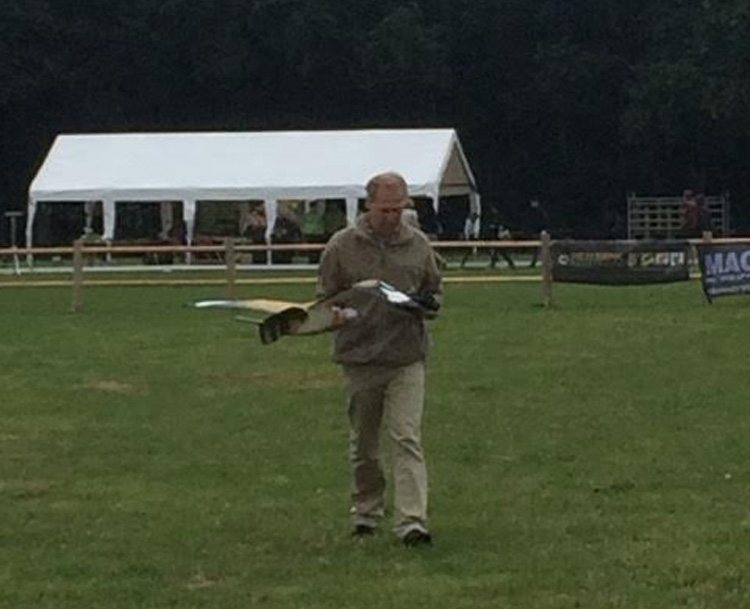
[{"x": 238, "y": 166}]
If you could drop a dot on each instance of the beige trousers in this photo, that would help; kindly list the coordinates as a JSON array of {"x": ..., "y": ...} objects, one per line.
[{"x": 396, "y": 394}]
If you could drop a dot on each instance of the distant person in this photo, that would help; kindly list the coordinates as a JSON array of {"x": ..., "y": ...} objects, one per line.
[
  {"x": 492, "y": 229},
  {"x": 502, "y": 233},
  {"x": 313, "y": 228},
  {"x": 256, "y": 230},
  {"x": 690, "y": 215},
  {"x": 614, "y": 222},
  {"x": 382, "y": 352},
  {"x": 286, "y": 230},
  {"x": 334, "y": 218},
  {"x": 166, "y": 215},
  {"x": 472, "y": 228},
  {"x": 536, "y": 222},
  {"x": 704, "y": 214}
]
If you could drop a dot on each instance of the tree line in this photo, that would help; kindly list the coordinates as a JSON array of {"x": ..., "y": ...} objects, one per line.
[{"x": 572, "y": 102}]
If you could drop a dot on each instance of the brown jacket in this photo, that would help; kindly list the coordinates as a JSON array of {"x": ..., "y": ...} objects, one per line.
[{"x": 382, "y": 334}]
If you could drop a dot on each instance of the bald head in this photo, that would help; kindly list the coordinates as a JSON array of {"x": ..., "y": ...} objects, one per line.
[
  {"x": 387, "y": 195},
  {"x": 389, "y": 181}
]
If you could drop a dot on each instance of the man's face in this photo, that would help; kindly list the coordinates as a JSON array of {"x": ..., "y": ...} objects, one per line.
[{"x": 385, "y": 208}]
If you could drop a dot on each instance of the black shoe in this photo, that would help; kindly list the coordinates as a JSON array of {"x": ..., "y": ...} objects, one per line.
[
  {"x": 363, "y": 530},
  {"x": 416, "y": 537}
]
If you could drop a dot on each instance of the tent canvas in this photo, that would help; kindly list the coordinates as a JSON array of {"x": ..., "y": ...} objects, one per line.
[{"x": 240, "y": 166}]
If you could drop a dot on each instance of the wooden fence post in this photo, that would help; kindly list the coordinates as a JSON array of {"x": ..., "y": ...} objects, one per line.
[
  {"x": 706, "y": 236},
  {"x": 546, "y": 256},
  {"x": 231, "y": 264},
  {"x": 77, "y": 275}
]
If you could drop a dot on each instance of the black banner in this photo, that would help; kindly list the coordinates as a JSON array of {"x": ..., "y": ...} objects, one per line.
[
  {"x": 725, "y": 269},
  {"x": 620, "y": 262}
]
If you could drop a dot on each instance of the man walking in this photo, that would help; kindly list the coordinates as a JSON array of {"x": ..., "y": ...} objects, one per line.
[{"x": 382, "y": 352}]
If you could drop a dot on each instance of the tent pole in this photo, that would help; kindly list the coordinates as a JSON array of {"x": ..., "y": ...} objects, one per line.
[
  {"x": 188, "y": 217},
  {"x": 352, "y": 205},
  {"x": 271, "y": 207},
  {"x": 30, "y": 213}
]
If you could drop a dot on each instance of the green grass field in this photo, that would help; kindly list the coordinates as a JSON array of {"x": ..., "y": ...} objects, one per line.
[{"x": 591, "y": 455}]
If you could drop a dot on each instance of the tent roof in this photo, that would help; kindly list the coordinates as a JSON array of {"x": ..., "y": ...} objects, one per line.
[{"x": 248, "y": 165}]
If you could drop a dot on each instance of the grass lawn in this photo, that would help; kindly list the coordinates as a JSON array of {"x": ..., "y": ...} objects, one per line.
[{"x": 591, "y": 455}]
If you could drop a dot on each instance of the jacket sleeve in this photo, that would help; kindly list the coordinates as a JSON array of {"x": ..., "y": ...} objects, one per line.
[
  {"x": 330, "y": 279},
  {"x": 432, "y": 282}
]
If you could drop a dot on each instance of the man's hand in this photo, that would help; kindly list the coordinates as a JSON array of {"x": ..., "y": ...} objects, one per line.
[
  {"x": 427, "y": 300},
  {"x": 343, "y": 315}
]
